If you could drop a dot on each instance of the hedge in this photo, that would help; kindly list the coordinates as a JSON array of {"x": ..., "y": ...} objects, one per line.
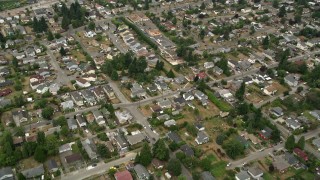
[{"x": 223, "y": 106}]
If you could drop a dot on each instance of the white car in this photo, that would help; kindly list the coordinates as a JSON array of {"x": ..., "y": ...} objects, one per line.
[{"x": 229, "y": 164}]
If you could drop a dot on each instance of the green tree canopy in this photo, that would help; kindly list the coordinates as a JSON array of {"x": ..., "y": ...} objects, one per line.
[
  {"x": 40, "y": 154},
  {"x": 174, "y": 167},
  {"x": 290, "y": 143},
  {"x": 301, "y": 142},
  {"x": 160, "y": 150},
  {"x": 47, "y": 112},
  {"x": 145, "y": 155}
]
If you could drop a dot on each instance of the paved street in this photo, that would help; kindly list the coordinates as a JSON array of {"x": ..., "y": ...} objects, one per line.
[{"x": 99, "y": 169}]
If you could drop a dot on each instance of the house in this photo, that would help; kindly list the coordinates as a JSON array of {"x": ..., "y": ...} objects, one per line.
[
  {"x": 99, "y": 117},
  {"x": 90, "y": 148},
  {"x": 291, "y": 80},
  {"x": 316, "y": 143},
  {"x": 121, "y": 142},
  {"x": 188, "y": 151},
  {"x": 64, "y": 148},
  {"x": 80, "y": 120},
  {"x": 6, "y": 173},
  {"x": 163, "y": 117},
  {"x": 72, "y": 124},
  {"x": 208, "y": 65},
  {"x": 188, "y": 96},
  {"x": 137, "y": 91},
  {"x": 202, "y": 137},
  {"x": 123, "y": 116},
  {"x": 20, "y": 116},
  {"x": 242, "y": 175},
  {"x": 109, "y": 91},
  {"x": 141, "y": 172},
  {"x": 290, "y": 158},
  {"x": 156, "y": 109},
  {"x": 165, "y": 104},
  {"x": 200, "y": 95},
  {"x": 243, "y": 141},
  {"x": 157, "y": 163},
  {"x": 135, "y": 138},
  {"x": 52, "y": 166},
  {"x": 293, "y": 124},
  {"x": 82, "y": 83},
  {"x": 173, "y": 136},
  {"x": 270, "y": 90},
  {"x": 206, "y": 175},
  {"x": 99, "y": 93},
  {"x": 67, "y": 105},
  {"x": 73, "y": 159},
  {"x": 162, "y": 86},
  {"x": 33, "y": 172},
  {"x": 88, "y": 97},
  {"x": 5, "y": 92},
  {"x": 280, "y": 164},
  {"x": 277, "y": 111},
  {"x": 255, "y": 172},
  {"x": 225, "y": 94},
  {"x": 265, "y": 133},
  {"x": 169, "y": 123},
  {"x": 179, "y": 101},
  {"x": 77, "y": 98},
  {"x": 315, "y": 114},
  {"x": 301, "y": 154},
  {"x": 123, "y": 175}
]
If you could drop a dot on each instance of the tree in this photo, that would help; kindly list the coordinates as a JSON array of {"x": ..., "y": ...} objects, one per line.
[
  {"x": 19, "y": 101},
  {"x": 160, "y": 150},
  {"x": 145, "y": 155},
  {"x": 282, "y": 11},
  {"x": 275, "y": 3},
  {"x": 103, "y": 151},
  {"x": 41, "y": 138},
  {"x": 233, "y": 148},
  {"x": 205, "y": 164},
  {"x": 159, "y": 65},
  {"x": 63, "y": 51},
  {"x": 221, "y": 138},
  {"x": 114, "y": 75},
  {"x": 240, "y": 92},
  {"x": 2, "y": 38},
  {"x": 52, "y": 144},
  {"x": 65, "y": 23},
  {"x": 252, "y": 30},
  {"x": 174, "y": 167},
  {"x": 146, "y": 4},
  {"x": 40, "y": 154},
  {"x": 265, "y": 42},
  {"x": 275, "y": 135},
  {"x": 271, "y": 168},
  {"x": 170, "y": 74},
  {"x": 50, "y": 36},
  {"x": 91, "y": 25},
  {"x": 35, "y": 25},
  {"x": 47, "y": 112},
  {"x": 64, "y": 131},
  {"x": 301, "y": 143},
  {"x": 21, "y": 176},
  {"x": 290, "y": 143},
  {"x": 203, "y": 6},
  {"x": 43, "y": 25}
]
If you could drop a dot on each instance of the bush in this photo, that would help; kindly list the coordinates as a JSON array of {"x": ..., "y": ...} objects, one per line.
[{"x": 223, "y": 106}]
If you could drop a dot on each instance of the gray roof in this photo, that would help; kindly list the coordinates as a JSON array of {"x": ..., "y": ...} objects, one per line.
[
  {"x": 121, "y": 141},
  {"x": 174, "y": 137},
  {"x": 33, "y": 172},
  {"x": 187, "y": 150},
  {"x": 277, "y": 110},
  {"x": 51, "y": 164},
  {"x": 71, "y": 122},
  {"x": 202, "y": 137},
  {"x": 316, "y": 142},
  {"x": 90, "y": 148},
  {"x": 141, "y": 172},
  {"x": 242, "y": 175},
  {"x": 135, "y": 139},
  {"x": 206, "y": 175},
  {"x": 290, "y": 158},
  {"x": 6, "y": 173},
  {"x": 255, "y": 171}
]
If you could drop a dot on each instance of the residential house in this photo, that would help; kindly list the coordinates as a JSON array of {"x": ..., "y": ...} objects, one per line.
[
  {"x": 137, "y": 91},
  {"x": 156, "y": 109},
  {"x": 99, "y": 93},
  {"x": 293, "y": 124},
  {"x": 290, "y": 158},
  {"x": 109, "y": 91},
  {"x": 88, "y": 97},
  {"x": 90, "y": 148},
  {"x": 99, "y": 117},
  {"x": 208, "y": 65},
  {"x": 82, "y": 83},
  {"x": 315, "y": 114},
  {"x": 6, "y": 173},
  {"x": 135, "y": 138},
  {"x": 206, "y": 175},
  {"x": 165, "y": 104},
  {"x": 316, "y": 143},
  {"x": 121, "y": 142},
  {"x": 157, "y": 163},
  {"x": 301, "y": 154},
  {"x": 123, "y": 116},
  {"x": 169, "y": 123},
  {"x": 265, "y": 133},
  {"x": 280, "y": 164},
  {"x": 72, "y": 123},
  {"x": 243, "y": 141},
  {"x": 173, "y": 136},
  {"x": 77, "y": 98},
  {"x": 277, "y": 111},
  {"x": 162, "y": 86},
  {"x": 255, "y": 172},
  {"x": 33, "y": 172},
  {"x": 67, "y": 105},
  {"x": 202, "y": 137},
  {"x": 292, "y": 80},
  {"x": 65, "y": 147},
  {"x": 52, "y": 166},
  {"x": 188, "y": 151},
  {"x": 188, "y": 96},
  {"x": 20, "y": 116},
  {"x": 179, "y": 101},
  {"x": 80, "y": 120},
  {"x": 270, "y": 90},
  {"x": 242, "y": 175},
  {"x": 141, "y": 172},
  {"x": 225, "y": 94},
  {"x": 73, "y": 159},
  {"x": 123, "y": 175}
]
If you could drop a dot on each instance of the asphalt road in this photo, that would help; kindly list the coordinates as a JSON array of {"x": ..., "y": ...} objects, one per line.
[{"x": 99, "y": 169}]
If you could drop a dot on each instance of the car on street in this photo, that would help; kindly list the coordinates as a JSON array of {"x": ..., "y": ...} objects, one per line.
[{"x": 229, "y": 164}]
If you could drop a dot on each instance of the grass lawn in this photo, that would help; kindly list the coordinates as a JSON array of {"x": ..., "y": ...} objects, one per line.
[
  {"x": 212, "y": 157},
  {"x": 267, "y": 176},
  {"x": 75, "y": 148},
  {"x": 219, "y": 169}
]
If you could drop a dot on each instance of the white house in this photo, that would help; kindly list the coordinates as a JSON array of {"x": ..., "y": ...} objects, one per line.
[{"x": 82, "y": 83}]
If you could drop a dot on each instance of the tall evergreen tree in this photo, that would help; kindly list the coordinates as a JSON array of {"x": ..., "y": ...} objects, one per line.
[
  {"x": 240, "y": 92},
  {"x": 145, "y": 155},
  {"x": 160, "y": 150},
  {"x": 301, "y": 143},
  {"x": 290, "y": 143}
]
